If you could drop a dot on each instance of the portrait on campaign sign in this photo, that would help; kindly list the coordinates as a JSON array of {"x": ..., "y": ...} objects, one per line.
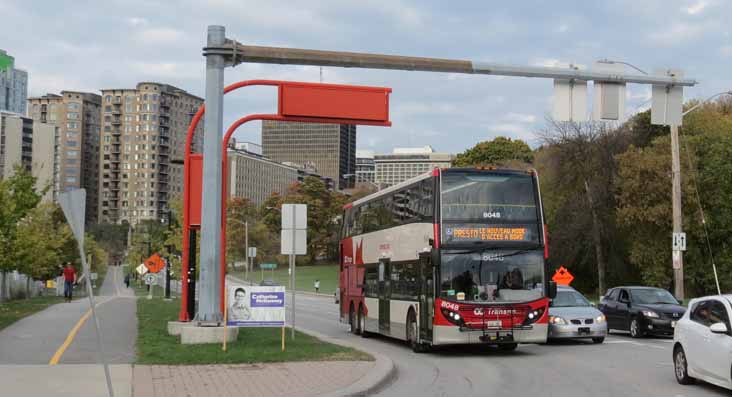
[{"x": 255, "y": 306}]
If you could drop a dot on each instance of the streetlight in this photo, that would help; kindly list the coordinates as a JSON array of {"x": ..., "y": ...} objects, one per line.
[
  {"x": 246, "y": 244},
  {"x": 169, "y": 220}
]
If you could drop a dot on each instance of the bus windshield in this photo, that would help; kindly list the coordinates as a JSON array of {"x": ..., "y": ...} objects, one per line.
[
  {"x": 483, "y": 197},
  {"x": 492, "y": 275}
]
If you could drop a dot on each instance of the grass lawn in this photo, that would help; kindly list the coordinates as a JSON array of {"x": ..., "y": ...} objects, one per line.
[
  {"x": 306, "y": 275},
  {"x": 155, "y": 346},
  {"x": 12, "y": 311}
]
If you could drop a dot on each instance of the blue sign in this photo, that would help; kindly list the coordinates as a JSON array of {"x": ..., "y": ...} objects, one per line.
[
  {"x": 267, "y": 299},
  {"x": 255, "y": 306}
]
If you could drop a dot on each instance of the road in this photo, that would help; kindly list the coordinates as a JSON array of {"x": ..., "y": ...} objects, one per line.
[{"x": 619, "y": 367}]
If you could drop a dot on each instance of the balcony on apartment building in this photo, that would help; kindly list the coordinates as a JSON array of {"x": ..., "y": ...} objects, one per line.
[{"x": 116, "y": 120}]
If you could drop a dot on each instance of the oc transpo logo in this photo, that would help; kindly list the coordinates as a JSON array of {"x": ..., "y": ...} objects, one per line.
[{"x": 493, "y": 312}]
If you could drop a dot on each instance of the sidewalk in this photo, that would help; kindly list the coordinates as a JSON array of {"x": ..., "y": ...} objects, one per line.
[{"x": 277, "y": 379}]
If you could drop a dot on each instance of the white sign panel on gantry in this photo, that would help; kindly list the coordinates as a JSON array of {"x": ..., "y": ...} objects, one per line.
[{"x": 255, "y": 306}]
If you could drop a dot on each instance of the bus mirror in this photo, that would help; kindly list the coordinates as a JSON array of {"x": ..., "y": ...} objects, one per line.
[
  {"x": 432, "y": 242},
  {"x": 551, "y": 290}
]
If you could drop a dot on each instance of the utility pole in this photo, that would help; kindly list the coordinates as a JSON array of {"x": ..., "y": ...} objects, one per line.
[{"x": 677, "y": 255}]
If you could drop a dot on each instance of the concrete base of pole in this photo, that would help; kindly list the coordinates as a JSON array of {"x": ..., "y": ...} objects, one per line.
[
  {"x": 175, "y": 327},
  {"x": 199, "y": 335}
]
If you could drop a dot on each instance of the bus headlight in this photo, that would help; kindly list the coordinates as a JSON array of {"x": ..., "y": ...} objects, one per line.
[
  {"x": 453, "y": 317},
  {"x": 533, "y": 316}
]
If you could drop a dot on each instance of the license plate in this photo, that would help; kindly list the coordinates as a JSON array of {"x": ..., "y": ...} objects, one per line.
[
  {"x": 584, "y": 330},
  {"x": 493, "y": 324},
  {"x": 673, "y": 324}
]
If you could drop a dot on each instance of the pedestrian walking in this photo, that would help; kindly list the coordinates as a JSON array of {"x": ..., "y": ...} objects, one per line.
[
  {"x": 317, "y": 286},
  {"x": 69, "y": 281},
  {"x": 127, "y": 280}
]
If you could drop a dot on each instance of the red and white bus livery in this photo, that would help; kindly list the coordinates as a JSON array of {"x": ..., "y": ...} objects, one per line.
[{"x": 454, "y": 256}]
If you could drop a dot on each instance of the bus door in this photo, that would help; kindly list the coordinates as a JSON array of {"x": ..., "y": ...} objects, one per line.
[
  {"x": 425, "y": 297},
  {"x": 384, "y": 295}
]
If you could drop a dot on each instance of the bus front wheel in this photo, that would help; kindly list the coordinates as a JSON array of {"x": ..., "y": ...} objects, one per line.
[{"x": 412, "y": 333}]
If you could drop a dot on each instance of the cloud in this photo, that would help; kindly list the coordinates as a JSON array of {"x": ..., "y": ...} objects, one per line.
[
  {"x": 156, "y": 36},
  {"x": 677, "y": 33},
  {"x": 136, "y": 21},
  {"x": 520, "y": 118},
  {"x": 563, "y": 28},
  {"x": 725, "y": 51},
  {"x": 695, "y": 8}
]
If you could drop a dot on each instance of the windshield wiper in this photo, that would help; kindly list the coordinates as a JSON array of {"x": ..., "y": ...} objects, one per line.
[{"x": 481, "y": 249}]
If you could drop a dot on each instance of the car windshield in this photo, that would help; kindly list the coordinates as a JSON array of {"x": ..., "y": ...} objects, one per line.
[
  {"x": 652, "y": 296},
  {"x": 570, "y": 299},
  {"x": 492, "y": 275}
]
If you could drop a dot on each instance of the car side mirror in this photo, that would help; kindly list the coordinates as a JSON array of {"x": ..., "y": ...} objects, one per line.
[
  {"x": 551, "y": 290},
  {"x": 718, "y": 328}
]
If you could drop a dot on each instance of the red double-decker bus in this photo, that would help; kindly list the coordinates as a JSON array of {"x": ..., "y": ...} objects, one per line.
[{"x": 454, "y": 256}]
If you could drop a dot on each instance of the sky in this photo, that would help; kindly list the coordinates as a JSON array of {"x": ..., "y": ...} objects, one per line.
[{"x": 94, "y": 45}]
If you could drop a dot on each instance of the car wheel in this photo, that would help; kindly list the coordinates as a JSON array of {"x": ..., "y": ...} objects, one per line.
[
  {"x": 412, "y": 332},
  {"x": 362, "y": 323},
  {"x": 681, "y": 367},
  {"x": 635, "y": 329},
  {"x": 507, "y": 347},
  {"x": 598, "y": 340}
]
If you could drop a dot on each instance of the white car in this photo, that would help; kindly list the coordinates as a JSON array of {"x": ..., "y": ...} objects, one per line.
[{"x": 703, "y": 342}]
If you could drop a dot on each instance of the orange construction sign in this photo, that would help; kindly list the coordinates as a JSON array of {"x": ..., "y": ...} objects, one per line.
[
  {"x": 562, "y": 276},
  {"x": 154, "y": 263}
]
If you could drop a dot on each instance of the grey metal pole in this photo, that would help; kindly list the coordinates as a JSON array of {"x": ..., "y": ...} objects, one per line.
[
  {"x": 240, "y": 53},
  {"x": 676, "y": 204},
  {"x": 209, "y": 297},
  {"x": 292, "y": 264},
  {"x": 90, "y": 292},
  {"x": 246, "y": 249}
]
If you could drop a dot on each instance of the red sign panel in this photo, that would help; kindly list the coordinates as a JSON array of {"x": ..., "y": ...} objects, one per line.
[
  {"x": 368, "y": 105},
  {"x": 195, "y": 182},
  {"x": 562, "y": 276}
]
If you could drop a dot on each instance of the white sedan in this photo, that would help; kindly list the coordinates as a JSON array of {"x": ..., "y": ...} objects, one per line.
[{"x": 703, "y": 342}]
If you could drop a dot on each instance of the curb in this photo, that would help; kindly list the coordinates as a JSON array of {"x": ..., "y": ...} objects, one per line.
[{"x": 383, "y": 372}]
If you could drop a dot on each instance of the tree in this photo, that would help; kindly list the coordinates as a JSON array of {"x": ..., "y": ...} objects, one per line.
[
  {"x": 18, "y": 196},
  {"x": 579, "y": 170},
  {"x": 501, "y": 151},
  {"x": 112, "y": 238}
]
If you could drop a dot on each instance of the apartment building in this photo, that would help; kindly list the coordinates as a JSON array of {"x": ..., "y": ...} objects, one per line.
[
  {"x": 405, "y": 163},
  {"x": 76, "y": 116},
  {"x": 142, "y": 149},
  {"x": 32, "y": 146},
  {"x": 329, "y": 148},
  {"x": 13, "y": 85}
]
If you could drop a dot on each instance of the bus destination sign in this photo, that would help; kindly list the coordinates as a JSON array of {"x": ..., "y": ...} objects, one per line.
[{"x": 488, "y": 233}]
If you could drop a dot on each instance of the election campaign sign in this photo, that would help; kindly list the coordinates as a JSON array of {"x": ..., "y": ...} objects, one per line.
[{"x": 255, "y": 306}]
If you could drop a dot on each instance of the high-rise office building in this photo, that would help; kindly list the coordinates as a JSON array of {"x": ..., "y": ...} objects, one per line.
[
  {"x": 405, "y": 163},
  {"x": 32, "y": 146},
  {"x": 329, "y": 148},
  {"x": 255, "y": 177},
  {"x": 13, "y": 85},
  {"x": 142, "y": 148},
  {"x": 76, "y": 114}
]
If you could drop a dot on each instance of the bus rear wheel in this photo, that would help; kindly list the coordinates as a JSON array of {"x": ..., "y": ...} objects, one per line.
[
  {"x": 362, "y": 322},
  {"x": 352, "y": 320}
]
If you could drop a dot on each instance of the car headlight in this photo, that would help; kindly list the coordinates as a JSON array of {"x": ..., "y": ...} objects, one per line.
[
  {"x": 600, "y": 319},
  {"x": 557, "y": 320},
  {"x": 650, "y": 314}
]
